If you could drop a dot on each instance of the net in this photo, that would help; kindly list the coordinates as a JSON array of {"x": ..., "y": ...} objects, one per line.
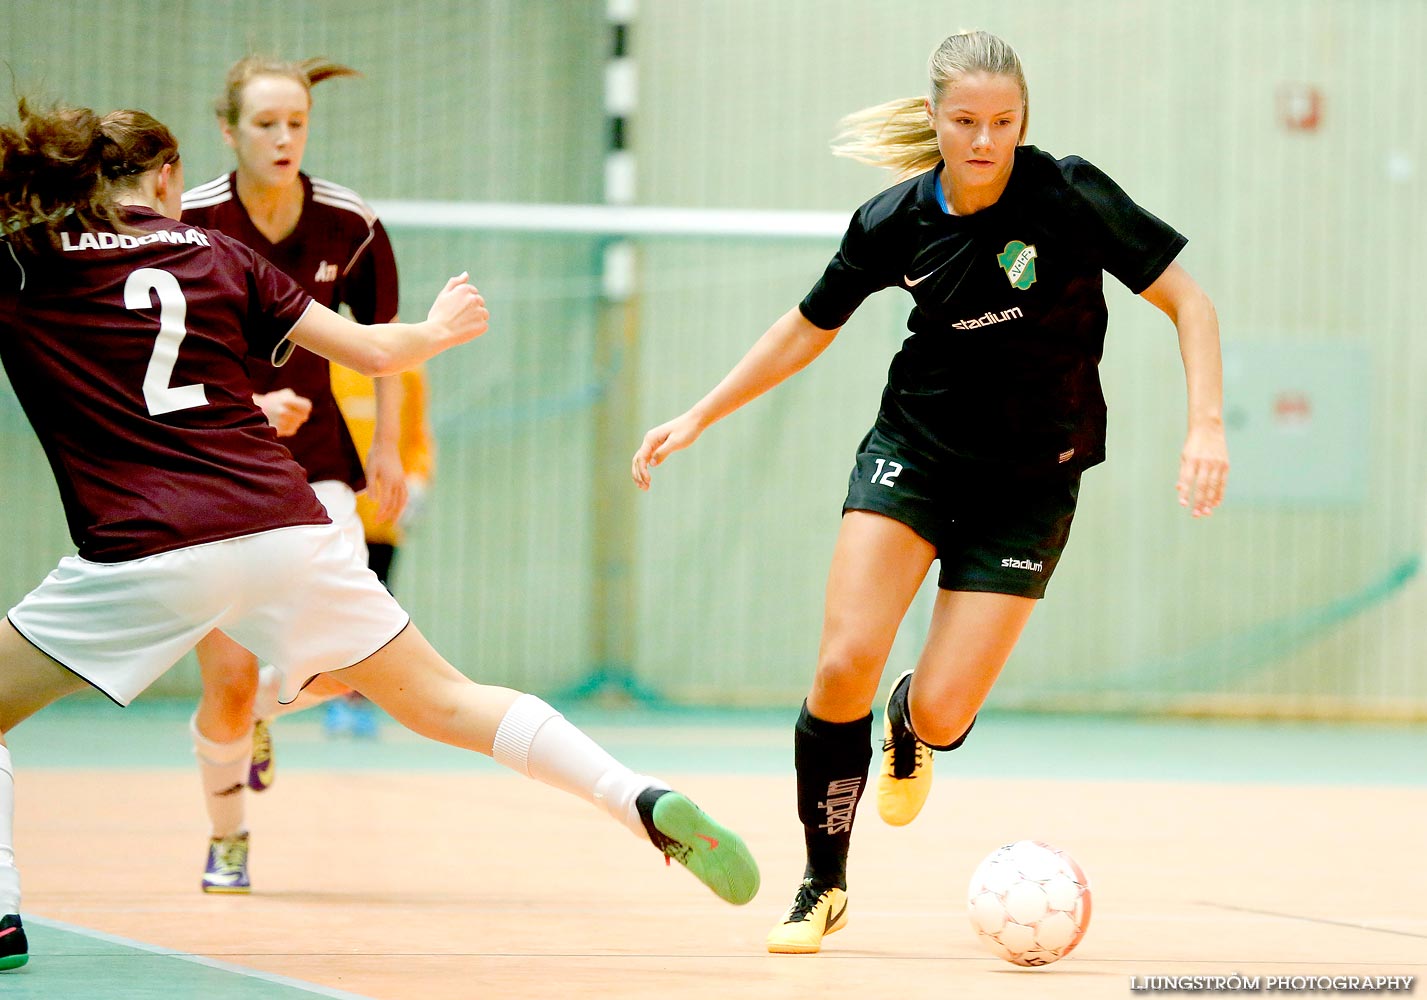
[{"x": 480, "y": 132}]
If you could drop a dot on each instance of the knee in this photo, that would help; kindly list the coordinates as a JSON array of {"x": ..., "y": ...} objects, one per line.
[
  {"x": 230, "y": 690},
  {"x": 940, "y": 717},
  {"x": 847, "y": 674}
]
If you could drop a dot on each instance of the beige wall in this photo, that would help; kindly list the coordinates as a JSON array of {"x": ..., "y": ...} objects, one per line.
[{"x": 1300, "y": 237}]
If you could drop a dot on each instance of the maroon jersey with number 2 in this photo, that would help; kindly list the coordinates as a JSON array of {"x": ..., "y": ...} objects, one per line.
[{"x": 129, "y": 353}]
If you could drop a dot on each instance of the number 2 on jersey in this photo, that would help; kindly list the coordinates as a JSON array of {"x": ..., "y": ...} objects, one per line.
[
  {"x": 887, "y": 471},
  {"x": 159, "y": 396}
]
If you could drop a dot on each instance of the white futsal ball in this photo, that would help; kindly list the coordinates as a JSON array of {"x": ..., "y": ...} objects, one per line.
[{"x": 1029, "y": 903}]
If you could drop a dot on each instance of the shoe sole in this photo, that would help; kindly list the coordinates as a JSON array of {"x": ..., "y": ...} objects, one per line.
[
  {"x": 718, "y": 857},
  {"x": 228, "y": 890},
  {"x": 13, "y": 962}
]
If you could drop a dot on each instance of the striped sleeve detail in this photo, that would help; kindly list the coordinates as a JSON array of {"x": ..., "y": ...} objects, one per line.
[
  {"x": 337, "y": 196},
  {"x": 215, "y": 192}
]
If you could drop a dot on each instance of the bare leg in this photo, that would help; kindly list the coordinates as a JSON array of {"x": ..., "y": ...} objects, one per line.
[
  {"x": 230, "y": 683},
  {"x": 970, "y": 639},
  {"x": 222, "y": 730},
  {"x": 426, "y": 694},
  {"x": 320, "y": 689},
  {"x": 420, "y": 690},
  {"x": 29, "y": 680},
  {"x": 878, "y": 566},
  {"x": 971, "y": 636}
]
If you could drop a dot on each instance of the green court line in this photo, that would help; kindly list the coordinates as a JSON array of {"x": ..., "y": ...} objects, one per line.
[
  {"x": 90, "y": 733},
  {"x": 67, "y": 962}
]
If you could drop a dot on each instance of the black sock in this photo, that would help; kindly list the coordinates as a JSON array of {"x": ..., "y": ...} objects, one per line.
[
  {"x": 897, "y": 711},
  {"x": 644, "y": 804},
  {"x": 831, "y": 760},
  {"x": 958, "y": 741},
  {"x": 901, "y": 716}
]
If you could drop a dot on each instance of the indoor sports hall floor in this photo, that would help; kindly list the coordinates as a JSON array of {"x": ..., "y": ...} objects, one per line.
[{"x": 399, "y": 869}]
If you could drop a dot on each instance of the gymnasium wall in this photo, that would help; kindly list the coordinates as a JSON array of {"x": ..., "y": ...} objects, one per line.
[{"x": 1301, "y": 596}]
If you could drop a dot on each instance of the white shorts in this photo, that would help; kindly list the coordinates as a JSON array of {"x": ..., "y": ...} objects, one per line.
[
  {"x": 341, "y": 504},
  {"x": 294, "y": 597}
]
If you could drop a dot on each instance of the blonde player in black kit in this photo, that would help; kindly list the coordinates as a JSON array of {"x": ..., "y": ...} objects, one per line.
[
  {"x": 992, "y": 410},
  {"x": 126, "y": 335},
  {"x": 327, "y": 239}
]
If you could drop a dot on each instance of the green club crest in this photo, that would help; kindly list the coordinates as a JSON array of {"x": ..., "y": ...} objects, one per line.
[{"x": 1019, "y": 262}]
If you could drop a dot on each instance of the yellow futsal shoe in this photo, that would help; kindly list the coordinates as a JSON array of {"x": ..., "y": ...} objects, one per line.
[
  {"x": 817, "y": 910},
  {"x": 906, "y": 777}
]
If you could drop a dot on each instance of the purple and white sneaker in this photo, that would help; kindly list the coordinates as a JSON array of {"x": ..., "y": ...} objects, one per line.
[{"x": 227, "y": 869}]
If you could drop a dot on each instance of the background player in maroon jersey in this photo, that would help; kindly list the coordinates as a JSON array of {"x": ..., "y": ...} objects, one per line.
[
  {"x": 126, "y": 336},
  {"x": 991, "y": 411},
  {"x": 329, "y": 241}
]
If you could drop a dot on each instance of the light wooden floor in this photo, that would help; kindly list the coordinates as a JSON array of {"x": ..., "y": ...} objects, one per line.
[{"x": 481, "y": 885}]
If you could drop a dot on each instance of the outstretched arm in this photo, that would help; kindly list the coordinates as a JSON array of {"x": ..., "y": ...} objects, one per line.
[
  {"x": 459, "y": 314},
  {"x": 784, "y": 349},
  {"x": 1204, "y": 461}
]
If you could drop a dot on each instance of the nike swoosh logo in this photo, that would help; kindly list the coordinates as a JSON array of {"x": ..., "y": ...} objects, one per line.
[
  {"x": 713, "y": 842},
  {"x": 833, "y": 918},
  {"x": 230, "y": 791},
  {"x": 961, "y": 251},
  {"x": 8, "y": 931}
]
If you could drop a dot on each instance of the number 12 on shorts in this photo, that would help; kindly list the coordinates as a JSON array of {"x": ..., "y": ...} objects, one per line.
[{"x": 885, "y": 474}]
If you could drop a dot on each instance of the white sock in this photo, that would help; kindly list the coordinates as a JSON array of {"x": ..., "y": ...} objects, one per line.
[
  {"x": 223, "y": 769},
  {"x": 9, "y": 874},
  {"x": 535, "y": 740},
  {"x": 267, "y": 707}
]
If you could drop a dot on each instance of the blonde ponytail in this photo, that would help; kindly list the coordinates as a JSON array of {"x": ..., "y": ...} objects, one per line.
[
  {"x": 229, "y": 107},
  {"x": 898, "y": 135}
]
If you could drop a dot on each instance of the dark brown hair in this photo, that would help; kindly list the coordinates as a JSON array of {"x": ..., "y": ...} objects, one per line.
[{"x": 71, "y": 161}]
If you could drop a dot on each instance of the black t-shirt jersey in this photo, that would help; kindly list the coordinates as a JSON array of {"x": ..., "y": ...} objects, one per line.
[{"x": 1009, "y": 322}]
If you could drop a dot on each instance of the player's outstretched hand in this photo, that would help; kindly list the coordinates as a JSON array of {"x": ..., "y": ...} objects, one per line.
[
  {"x": 460, "y": 308},
  {"x": 386, "y": 482},
  {"x": 1203, "y": 470},
  {"x": 285, "y": 410},
  {"x": 661, "y": 442}
]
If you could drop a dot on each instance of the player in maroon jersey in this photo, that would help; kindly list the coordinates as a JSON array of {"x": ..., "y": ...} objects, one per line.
[
  {"x": 329, "y": 241},
  {"x": 126, "y": 335}
]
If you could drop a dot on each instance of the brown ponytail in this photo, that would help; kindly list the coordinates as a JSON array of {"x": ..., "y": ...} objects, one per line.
[{"x": 70, "y": 161}]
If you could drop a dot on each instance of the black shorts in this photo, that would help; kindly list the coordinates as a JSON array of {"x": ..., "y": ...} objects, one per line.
[{"x": 996, "y": 530}]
